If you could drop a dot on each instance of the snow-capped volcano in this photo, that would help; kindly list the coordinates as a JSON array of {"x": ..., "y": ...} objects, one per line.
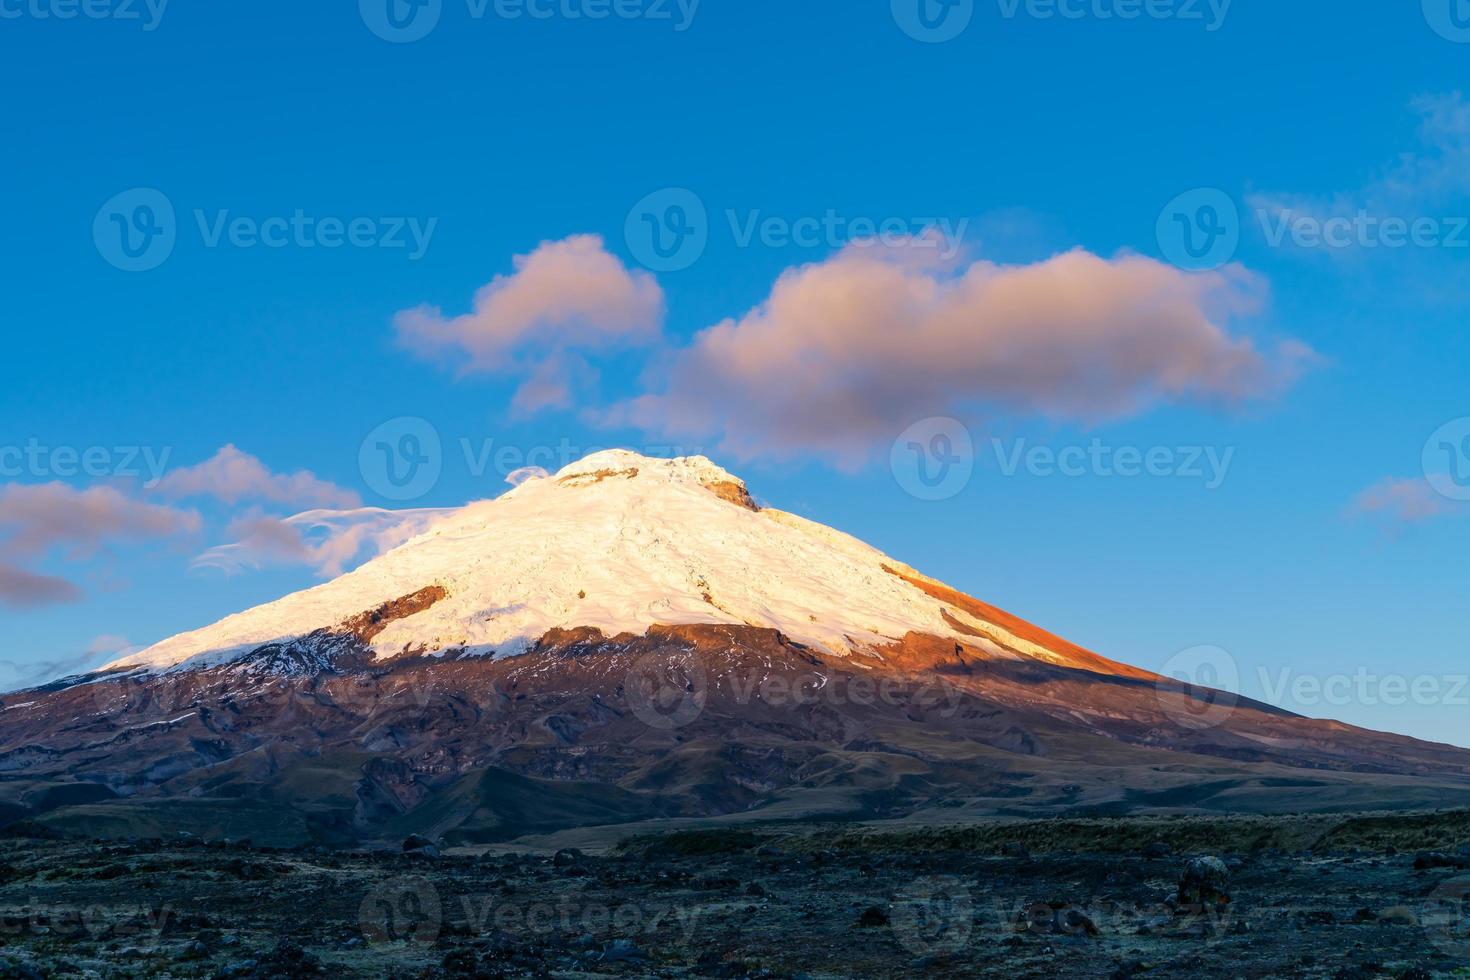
[
  {"x": 619, "y": 542},
  {"x": 635, "y": 638}
]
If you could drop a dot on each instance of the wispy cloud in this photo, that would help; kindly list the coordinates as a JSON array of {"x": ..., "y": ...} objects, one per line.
[
  {"x": 328, "y": 541},
  {"x": 1411, "y": 217},
  {"x": 565, "y": 298},
  {"x": 1405, "y": 500}
]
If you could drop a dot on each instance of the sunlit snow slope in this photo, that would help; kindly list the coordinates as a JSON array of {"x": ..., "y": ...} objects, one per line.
[{"x": 620, "y": 542}]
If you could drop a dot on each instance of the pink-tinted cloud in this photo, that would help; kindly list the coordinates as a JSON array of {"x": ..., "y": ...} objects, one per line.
[
  {"x": 1405, "y": 500},
  {"x": 845, "y": 353},
  {"x": 37, "y": 518},
  {"x": 20, "y": 589},
  {"x": 328, "y": 541},
  {"x": 566, "y": 295},
  {"x": 232, "y": 476}
]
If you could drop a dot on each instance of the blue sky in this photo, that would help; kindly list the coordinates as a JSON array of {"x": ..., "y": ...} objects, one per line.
[{"x": 1331, "y": 546}]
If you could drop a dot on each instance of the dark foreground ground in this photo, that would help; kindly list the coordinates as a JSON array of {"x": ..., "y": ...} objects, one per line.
[{"x": 1309, "y": 897}]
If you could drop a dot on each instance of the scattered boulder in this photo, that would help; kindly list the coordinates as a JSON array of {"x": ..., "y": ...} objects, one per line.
[
  {"x": 623, "y": 951},
  {"x": 1434, "y": 859},
  {"x": 1155, "y": 850},
  {"x": 417, "y": 846},
  {"x": 1205, "y": 882},
  {"x": 567, "y": 857},
  {"x": 1014, "y": 849},
  {"x": 873, "y": 917}
]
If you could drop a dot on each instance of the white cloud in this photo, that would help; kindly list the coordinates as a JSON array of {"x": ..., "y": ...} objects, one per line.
[{"x": 516, "y": 477}]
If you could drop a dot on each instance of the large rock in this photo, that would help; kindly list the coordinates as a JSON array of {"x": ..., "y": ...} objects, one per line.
[
  {"x": 421, "y": 847},
  {"x": 1205, "y": 882}
]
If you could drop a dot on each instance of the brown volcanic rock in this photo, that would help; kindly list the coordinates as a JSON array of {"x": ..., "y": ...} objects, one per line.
[{"x": 694, "y": 721}]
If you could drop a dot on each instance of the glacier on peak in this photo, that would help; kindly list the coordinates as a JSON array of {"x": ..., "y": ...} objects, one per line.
[{"x": 620, "y": 542}]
